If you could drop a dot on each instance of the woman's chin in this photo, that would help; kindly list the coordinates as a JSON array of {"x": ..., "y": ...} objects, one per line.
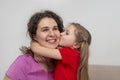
[{"x": 52, "y": 46}]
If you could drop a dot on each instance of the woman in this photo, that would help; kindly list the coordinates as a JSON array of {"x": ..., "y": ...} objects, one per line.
[{"x": 43, "y": 27}]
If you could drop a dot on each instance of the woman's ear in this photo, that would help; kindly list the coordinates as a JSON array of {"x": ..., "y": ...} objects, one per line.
[{"x": 76, "y": 45}]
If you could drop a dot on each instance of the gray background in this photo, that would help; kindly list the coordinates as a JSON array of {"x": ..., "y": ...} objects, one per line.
[{"x": 100, "y": 17}]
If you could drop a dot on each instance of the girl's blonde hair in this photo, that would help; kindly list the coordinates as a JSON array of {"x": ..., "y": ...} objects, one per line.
[{"x": 83, "y": 37}]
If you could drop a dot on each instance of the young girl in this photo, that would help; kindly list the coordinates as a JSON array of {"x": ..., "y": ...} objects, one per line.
[{"x": 72, "y": 56}]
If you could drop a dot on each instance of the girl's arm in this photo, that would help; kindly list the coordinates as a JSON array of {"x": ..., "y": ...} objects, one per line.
[{"x": 46, "y": 52}]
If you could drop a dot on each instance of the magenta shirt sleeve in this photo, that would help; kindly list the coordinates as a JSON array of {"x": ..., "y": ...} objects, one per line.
[
  {"x": 26, "y": 68},
  {"x": 17, "y": 70}
]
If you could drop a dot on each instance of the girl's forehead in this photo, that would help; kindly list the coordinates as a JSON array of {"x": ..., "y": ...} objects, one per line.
[{"x": 70, "y": 27}]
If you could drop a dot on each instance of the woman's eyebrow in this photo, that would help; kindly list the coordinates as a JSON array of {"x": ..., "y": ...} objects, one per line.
[{"x": 44, "y": 27}]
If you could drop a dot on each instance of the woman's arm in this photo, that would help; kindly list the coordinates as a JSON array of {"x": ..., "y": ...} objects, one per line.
[
  {"x": 6, "y": 78},
  {"x": 46, "y": 52}
]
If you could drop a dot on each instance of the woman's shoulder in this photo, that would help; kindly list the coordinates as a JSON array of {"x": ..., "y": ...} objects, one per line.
[
  {"x": 23, "y": 61},
  {"x": 22, "y": 64},
  {"x": 25, "y": 58},
  {"x": 29, "y": 63}
]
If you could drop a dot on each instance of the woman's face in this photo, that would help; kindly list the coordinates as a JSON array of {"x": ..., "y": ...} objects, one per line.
[{"x": 47, "y": 33}]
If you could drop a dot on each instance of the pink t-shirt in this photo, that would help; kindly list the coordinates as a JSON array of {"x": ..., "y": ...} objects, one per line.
[{"x": 26, "y": 68}]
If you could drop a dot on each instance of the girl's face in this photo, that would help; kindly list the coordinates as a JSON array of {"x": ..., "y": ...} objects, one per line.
[
  {"x": 47, "y": 33},
  {"x": 68, "y": 37}
]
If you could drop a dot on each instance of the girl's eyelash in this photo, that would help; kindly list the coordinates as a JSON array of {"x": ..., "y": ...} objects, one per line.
[{"x": 67, "y": 33}]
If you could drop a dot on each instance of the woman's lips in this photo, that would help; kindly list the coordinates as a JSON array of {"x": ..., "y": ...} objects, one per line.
[{"x": 51, "y": 41}]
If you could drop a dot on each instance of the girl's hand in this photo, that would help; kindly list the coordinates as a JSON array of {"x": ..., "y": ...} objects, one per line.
[{"x": 34, "y": 45}]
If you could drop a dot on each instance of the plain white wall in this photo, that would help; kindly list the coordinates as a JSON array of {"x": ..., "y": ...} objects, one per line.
[{"x": 100, "y": 17}]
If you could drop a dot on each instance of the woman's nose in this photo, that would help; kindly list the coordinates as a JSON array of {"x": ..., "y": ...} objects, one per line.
[{"x": 51, "y": 33}]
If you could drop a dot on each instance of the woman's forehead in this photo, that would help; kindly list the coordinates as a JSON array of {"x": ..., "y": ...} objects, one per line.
[{"x": 47, "y": 22}]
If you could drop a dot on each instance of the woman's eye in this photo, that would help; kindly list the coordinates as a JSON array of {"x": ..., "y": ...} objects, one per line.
[
  {"x": 44, "y": 30},
  {"x": 56, "y": 28}
]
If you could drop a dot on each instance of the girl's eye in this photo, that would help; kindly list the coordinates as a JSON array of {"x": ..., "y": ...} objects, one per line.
[{"x": 67, "y": 33}]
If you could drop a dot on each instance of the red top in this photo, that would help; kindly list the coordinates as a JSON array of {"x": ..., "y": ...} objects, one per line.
[{"x": 66, "y": 69}]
